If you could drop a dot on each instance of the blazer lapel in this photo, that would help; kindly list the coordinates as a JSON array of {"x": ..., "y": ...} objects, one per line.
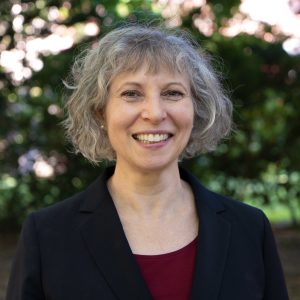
[
  {"x": 213, "y": 242},
  {"x": 107, "y": 243}
]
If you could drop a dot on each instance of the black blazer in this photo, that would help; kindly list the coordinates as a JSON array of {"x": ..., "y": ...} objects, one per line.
[{"x": 77, "y": 249}]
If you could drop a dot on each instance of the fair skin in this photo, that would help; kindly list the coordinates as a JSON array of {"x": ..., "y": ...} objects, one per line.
[{"x": 149, "y": 118}]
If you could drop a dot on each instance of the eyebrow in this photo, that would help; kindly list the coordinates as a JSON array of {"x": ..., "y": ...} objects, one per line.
[
  {"x": 140, "y": 85},
  {"x": 177, "y": 83}
]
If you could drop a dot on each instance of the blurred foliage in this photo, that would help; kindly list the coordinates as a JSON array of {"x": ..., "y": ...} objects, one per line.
[{"x": 260, "y": 164}]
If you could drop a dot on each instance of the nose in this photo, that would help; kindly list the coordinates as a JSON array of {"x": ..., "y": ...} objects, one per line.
[{"x": 154, "y": 110}]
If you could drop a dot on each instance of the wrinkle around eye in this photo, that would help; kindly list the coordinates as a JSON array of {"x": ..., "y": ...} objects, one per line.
[
  {"x": 173, "y": 95},
  {"x": 131, "y": 95}
]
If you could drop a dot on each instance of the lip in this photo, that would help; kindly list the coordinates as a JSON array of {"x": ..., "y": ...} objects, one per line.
[
  {"x": 154, "y": 132},
  {"x": 155, "y": 145}
]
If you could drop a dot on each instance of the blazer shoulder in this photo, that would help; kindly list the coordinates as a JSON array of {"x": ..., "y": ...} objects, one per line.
[
  {"x": 249, "y": 218},
  {"x": 90, "y": 195},
  {"x": 241, "y": 208},
  {"x": 75, "y": 209},
  {"x": 235, "y": 211},
  {"x": 227, "y": 207},
  {"x": 71, "y": 203},
  {"x": 59, "y": 215}
]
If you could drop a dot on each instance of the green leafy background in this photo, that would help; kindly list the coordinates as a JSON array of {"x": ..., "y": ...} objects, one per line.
[{"x": 259, "y": 164}]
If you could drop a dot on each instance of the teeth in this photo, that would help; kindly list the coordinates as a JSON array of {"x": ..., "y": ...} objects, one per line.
[{"x": 151, "y": 137}]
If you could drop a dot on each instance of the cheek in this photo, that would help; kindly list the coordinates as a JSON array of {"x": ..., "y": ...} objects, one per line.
[
  {"x": 119, "y": 121},
  {"x": 186, "y": 116},
  {"x": 112, "y": 115}
]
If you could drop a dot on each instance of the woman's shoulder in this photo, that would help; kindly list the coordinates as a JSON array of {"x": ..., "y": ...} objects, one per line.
[
  {"x": 239, "y": 214},
  {"x": 241, "y": 208},
  {"x": 68, "y": 211},
  {"x": 58, "y": 215},
  {"x": 243, "y": 217},
  {"x": 219, "y": 202}
]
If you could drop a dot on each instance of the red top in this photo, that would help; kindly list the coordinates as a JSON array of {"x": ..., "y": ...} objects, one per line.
[{"x": 169, "y": 276}]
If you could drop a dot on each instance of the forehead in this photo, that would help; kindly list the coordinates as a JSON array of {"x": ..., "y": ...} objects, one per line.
[
  {"x": 144, "y": 74},
  {"x": 147, "y": 69},
  {"x": 151, "y": 55}
]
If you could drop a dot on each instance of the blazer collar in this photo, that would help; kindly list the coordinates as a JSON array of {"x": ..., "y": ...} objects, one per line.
[
  {"x": 213, "y": 241},
  {"x": 107, "y": 243}
]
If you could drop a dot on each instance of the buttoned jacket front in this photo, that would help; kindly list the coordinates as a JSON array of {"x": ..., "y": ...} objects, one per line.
[{"x": 77, "y": 250}]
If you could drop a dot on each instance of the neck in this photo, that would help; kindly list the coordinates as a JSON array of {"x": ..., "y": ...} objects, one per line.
[{"x": 150, "y": 194}]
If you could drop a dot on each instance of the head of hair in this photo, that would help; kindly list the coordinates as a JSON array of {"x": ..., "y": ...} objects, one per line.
[{"x": 126, "y": 49}]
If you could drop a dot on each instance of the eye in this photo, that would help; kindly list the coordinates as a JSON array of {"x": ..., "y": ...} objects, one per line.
[
  {"x": 131, "y": 95},
  {"x": 173, "y": 95}
]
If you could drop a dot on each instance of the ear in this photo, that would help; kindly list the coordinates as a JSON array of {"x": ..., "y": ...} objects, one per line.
[{"x": 100, "y": 117}]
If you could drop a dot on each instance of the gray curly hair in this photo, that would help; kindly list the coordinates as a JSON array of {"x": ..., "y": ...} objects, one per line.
[{"x": 127, "y": 49}]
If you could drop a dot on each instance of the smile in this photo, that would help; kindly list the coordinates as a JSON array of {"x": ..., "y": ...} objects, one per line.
[{"x": 151, "y": 138}]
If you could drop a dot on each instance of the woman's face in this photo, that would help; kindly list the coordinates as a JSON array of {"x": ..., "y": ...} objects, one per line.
[{"x": 149, "y": 118}]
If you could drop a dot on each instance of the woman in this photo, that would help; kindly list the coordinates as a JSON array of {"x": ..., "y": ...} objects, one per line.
[{"x": 146, "y": 229}]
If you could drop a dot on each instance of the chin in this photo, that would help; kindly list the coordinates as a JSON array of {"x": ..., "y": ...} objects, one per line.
[{"x": 154, "y": 165}]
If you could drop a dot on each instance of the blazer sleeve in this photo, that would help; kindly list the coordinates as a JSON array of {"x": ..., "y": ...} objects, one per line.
[
  {"x": 275, "y": 287},
  {"x": 25, "y": 279}
]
